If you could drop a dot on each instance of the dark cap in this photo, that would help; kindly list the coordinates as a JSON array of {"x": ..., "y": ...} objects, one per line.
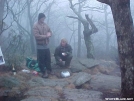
[{"x": 41, "y": 15}]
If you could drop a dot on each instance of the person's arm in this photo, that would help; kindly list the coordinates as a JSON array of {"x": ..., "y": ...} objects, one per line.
[
  {"x": 69, "y": 52},
  {"x": 49, "y": 33},
  {"x": 37, "y": 34},
  {"x": 56, "y": 54}
]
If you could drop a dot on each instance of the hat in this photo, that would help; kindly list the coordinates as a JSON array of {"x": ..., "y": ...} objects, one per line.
[{"x": 41, "y": 15}]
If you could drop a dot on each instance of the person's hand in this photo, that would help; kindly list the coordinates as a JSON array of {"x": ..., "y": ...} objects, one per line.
[
  {"x": 64, "y": 54},
  {"x": 48, "y": 34},
  {"x": 60, "y": 60}
]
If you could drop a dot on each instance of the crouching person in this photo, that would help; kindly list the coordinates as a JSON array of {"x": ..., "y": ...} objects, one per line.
[{"x": 63, "y": 53}]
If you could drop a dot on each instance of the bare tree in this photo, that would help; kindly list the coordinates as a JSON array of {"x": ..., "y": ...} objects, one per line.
[
  {"x": 79, "y": 31},
  {"x": 31, "y": 22},
  {"x": 49, "y": 10},
  {"x": 125, "y": 38},
  {"x": 32, "y": 14},
  {"x": 2, "y": 2},
  {"x": 4, "y": 11},
  {"x": 87, "y": 31},
  {"x": 73, "y": 30},
  {"x": 1, "y": 13},
  {"x": 106, "y": 24},
  {"x": 107, "y": 29}
]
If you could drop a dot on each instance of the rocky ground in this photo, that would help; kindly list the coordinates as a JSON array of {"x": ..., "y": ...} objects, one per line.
[{"x": 90, "y": 80}]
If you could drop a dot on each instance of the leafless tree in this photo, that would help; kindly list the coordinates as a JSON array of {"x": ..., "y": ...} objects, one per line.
[
  {"x": 106, "y": 24},
  {"x": 1, "y": 14},
  {"x": 27, "y": 6},
  {"x": 87, "y": 31}
]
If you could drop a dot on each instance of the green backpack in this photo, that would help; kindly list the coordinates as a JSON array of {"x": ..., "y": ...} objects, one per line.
[{"x": 32, "y": 64}]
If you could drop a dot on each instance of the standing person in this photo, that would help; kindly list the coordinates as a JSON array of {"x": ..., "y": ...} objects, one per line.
[
  {"x": 63, "y": 53},
  {"x": 42, "y": 33}
]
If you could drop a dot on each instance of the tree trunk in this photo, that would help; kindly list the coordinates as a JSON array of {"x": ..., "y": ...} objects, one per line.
[
  {"x": 1, "y": 14},
  {"x": 52, "y": 39},
  {"x": 32, "y": 40},
  {"x": 107, "y": 30},
  {"x": 79, "y": 33},
  {"x": 74, "y": 44},
  {"x": 124, "y": 31},
  {"x": 79, "y": 39},
  {"x": 87, "y": 32},
  {"x": 89, "y": 46},
  {"x": 87, "y": 38}
]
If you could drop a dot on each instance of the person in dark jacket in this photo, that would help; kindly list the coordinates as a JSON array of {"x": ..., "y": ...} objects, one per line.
[{"x": 63, "y": 53}]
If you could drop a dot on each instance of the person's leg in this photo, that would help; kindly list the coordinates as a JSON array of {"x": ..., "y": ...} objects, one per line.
[
  {"x": 41, "y": 61},
  {"x": 68, "y": 60},
  {"x": 59, "y": 63},
  {"x": 48, "y": 60}
]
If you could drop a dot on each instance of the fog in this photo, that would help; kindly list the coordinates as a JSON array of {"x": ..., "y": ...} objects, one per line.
[
  {"x": 99, "y": 60},
  {"x": 21, "y": 15}
]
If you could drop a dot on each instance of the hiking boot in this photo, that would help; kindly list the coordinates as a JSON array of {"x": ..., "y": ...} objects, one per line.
[
  {"x": 51, "y": 72},
  {"x": 67, "y": 66},
  {"x": 45, "y": 75}
]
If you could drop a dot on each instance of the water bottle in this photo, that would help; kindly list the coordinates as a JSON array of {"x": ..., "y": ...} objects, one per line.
[{"x": 13, "y": 70}]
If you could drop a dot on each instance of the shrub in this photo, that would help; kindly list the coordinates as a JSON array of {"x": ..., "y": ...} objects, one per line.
[{"x": 16, "y": 50}]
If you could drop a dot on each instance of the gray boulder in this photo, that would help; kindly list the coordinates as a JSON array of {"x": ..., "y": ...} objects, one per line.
[
  {"x": 105, "y": 82},
  {"x": 109, "y": 67},
  {"x": 80, "y": 78},
  {"x": 82, "y": 95},
  {"x": 11, "y": 86},
  {"x": 42, "y": 91},
  {"x": 9, "y": 82},
  {"x": 76, "y": 66},
  {"x": 36, "y": 98},
  {"x": 38, "y": 81},
  {"x": 89, "y": 63},
  {"x": 41, "y": 94}
]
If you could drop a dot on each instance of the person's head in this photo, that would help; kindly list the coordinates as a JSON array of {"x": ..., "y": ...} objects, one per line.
[
  {"x": 63, "y": 42},
  {"x": 41, "y": 17}
]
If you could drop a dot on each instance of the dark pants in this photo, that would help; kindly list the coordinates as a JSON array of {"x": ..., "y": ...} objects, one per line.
[
  {"x": 44, "y": 60},
  {"x": 67, "y": 60}
]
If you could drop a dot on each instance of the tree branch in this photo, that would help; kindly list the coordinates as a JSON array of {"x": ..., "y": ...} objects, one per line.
[
  {"x": 105, "y": 1},
  {"x": 7, "y": 27},
  {"x": 92, "y": 10},
  {"x": 94, "y": 29},
  {"x": 78, "y": 3},
  {"x": 68, "y": 25},
  {"x": 98, "y": 8},
  {"x": 14, "y": 17},
  {"x": 73, "y": 17},
  {"x": 37, "y": 9},
  {"x": 74, "y": 10}
]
